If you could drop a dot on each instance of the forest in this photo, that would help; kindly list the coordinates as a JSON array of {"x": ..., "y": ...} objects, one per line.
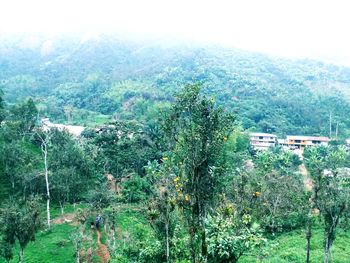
[
  {"x": 93, "y": 80},
  {"x": 164, "y": 170}
]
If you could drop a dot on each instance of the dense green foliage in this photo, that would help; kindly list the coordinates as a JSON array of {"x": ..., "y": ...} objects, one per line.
[
  {"x": 20, "y": 221},
  {"x": 76, "y": 80},
  {"x": 165, "y": 171}
]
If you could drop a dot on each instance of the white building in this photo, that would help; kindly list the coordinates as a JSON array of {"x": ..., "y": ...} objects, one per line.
[
  {"x": 300, "y": 142},
  {"x": 262, "y": 141},
  {"x": 72, "y": 129}
]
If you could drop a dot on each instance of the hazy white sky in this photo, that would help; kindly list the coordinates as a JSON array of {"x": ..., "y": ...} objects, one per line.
[{"x": 291, "y": 28}]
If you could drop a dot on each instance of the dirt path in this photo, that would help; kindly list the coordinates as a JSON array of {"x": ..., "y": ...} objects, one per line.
[
  {"x": 65, "y": 218},
  {"x": 307, "y": 180},
  {"x": 102, "y": 250},
  {"x": 113, "y": 185}
]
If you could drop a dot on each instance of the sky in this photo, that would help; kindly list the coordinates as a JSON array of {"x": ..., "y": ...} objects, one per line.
[{"x": 316, "y": 29}]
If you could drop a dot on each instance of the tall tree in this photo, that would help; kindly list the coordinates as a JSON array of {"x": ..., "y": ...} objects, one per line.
[
  {"x": 162, "y": 206},
  {"x": 44, "y": 145},
  {"x": 68, "y": 165},
  {"x": 198, "y": 130}
]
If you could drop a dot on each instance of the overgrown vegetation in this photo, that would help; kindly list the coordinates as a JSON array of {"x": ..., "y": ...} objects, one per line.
[
  {"x": 108, "y": 77},
  {"x": 173, "y": 177}
]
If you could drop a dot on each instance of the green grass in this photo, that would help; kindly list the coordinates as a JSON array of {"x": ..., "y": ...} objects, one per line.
[
  {"x": 54, "y": 247},
  {"x": 68, "y": 208},
  {"x": 51, "y": 246},
  {"x": 82, "y": 117},
  {"x": 133, "y": 231},
  {"x": 290, "y": 247},
  {"x": 94, "y": 119}
]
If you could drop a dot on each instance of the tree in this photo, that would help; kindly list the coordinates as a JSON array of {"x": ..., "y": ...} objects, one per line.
[
  {"x": 68, "y": 165},
  {"x": 100, "y": 197},
  {"x": 280, "y": 201},
  {"x": 78, "y": 237},
  {"x": 14, "y": 158},
  {"x": 62, "y": 185},
  {"x": 124, "y": 147},
  {"x": 331, "y": 189},
  {"x": 197, "y": 130},
  {"x": 24, "y": 117},
  {"x": 20, "y": 221},
  {"x": 44, "y": 145},
  {"x": 162, "y": 206},
  {"x": 270, "y": 190}
]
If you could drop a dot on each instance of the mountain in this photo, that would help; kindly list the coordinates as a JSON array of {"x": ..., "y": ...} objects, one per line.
[{"x": 90, "y": 79}]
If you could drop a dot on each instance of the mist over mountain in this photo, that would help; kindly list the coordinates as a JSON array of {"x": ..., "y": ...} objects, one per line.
[{"x": 109, "y": 77}]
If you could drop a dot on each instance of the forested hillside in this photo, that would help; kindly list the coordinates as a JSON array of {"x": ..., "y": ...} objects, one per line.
[
  {"x": 165, "y": 170},
  {"x": 95, "y": 79}
]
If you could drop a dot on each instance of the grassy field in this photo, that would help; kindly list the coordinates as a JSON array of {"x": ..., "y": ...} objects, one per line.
[
  {"x": 132, "y": 230},
  {"x": 54, "y": 246}
]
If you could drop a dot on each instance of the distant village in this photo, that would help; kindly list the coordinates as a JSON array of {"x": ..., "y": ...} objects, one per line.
[
  {"x": 259, "y": 141},
  {"x": 264, "y": 141}
]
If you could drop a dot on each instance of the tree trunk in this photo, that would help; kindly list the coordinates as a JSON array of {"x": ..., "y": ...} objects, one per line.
[
  {"x": 327, "y": 247},
  {"x": 48, "y": 213},
  {"x": 204, "y": 241},
  {"x": 113, "y": 237},
  {"x": 204, "y": 246},
  {"x": 192, "y": 246},
  {"x": 62, "y": 207},
  {"x": 44, "y": 150},
  {"x": 308, "y": 239},
  {"x": 326, "y": 251},
  {"x": 167, "y": 242},
  {"x": 330, "y": 237},
  {"x": 21, "y": 254}
]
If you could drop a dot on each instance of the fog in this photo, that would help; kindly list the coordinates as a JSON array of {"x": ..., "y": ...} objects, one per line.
[{"x": 294, "y": 29}]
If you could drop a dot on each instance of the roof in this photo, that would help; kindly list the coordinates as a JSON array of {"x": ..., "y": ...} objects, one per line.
[
  {"x": 73, "y": 129},
  {"x": 308, "y": 138},
  {"x": 262, "y": 134}
]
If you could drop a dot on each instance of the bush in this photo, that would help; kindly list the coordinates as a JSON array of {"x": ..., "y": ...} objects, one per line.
[{"x": 135, "y": 189}]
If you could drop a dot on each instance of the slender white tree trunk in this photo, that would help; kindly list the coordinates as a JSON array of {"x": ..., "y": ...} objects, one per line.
[
  {"x": 21, "y": 255},
  {"x": 78, "y": 256},
  {"x": 44, "y": 150}
]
